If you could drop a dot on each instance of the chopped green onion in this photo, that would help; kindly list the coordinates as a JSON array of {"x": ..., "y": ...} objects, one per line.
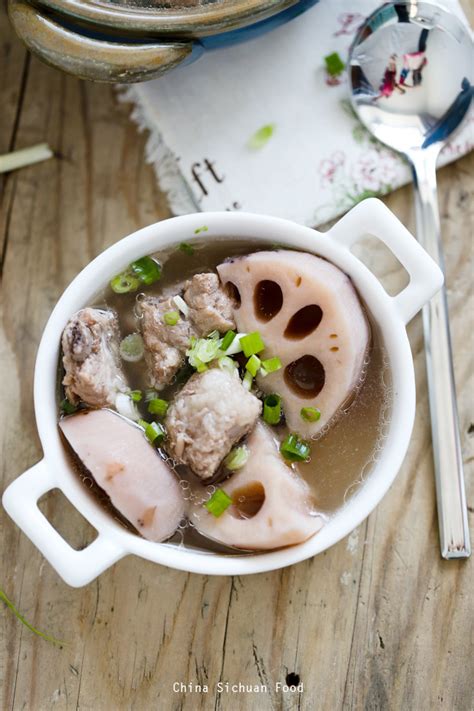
[
  {"x": 202, "y": 351},
  {"x": 310, "y": 414},
  {"x": 252, "y": 343},
  {"x": 132, "y": 348},
  {"x": 150, "y": 394},
  {"x": 171, "y": 318},
  {"x": 272, "y": 409},
  {"x": 252, "y": 365},
  {"x": 227, "y": 340},
  {"x": 295, "y": 449},
  {"x": 124, "y": 283},
  {"x": 226, "y": 363},
  {"x": 67, "y": 407},
  {"x": 186, "y": 248},
  {"x": 157, "y": 406},
  {"x": 270, "y": 366},
  {"x": 236, "y": 458},
  {"x": 261, "y": 137},
  {"x": 147, "y": 270},
  {"x": 25, "y": 622},
  {"x": 334, "y": 64},
  {"x": 218, "y": 503},
  {"x": 154, "y": 432},
  {"x": 213, "y": 335},
  {"x": 136, "y": 395},
  {"x": 247, "y": 381},
  {"x": 180, "y": 303},
  {"x": 235, "y": 346},
  {"x": 201, "y": 229}
]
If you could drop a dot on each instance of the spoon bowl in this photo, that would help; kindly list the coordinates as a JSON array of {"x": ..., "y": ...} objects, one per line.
[{"x": 411, "y": 70}]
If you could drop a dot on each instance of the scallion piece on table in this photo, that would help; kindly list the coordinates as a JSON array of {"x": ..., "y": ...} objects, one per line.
[
  {"x": 171, "y": 318},
  {"x": 270, "y": 365},
  {"x": 136, "y": 395},
  {"x": 186, "y": 248},
  {"x": 310, "y": 414},
  {"x": 154, "y": 432},
  {"x": 147, "y": 269},
  {"x": 237, "y": 458},
  {"x": 261, "y": 137},
  {"x": 67, "y": 407},
  {"x": 272, "y": 409},
  {"x": 218, "y": 503},
  {"x": 252, "y": 365},
  {"x": 252, "y": 344},
  {"x": 227, "y": 340},
  {"x": 157, "y": 406},
  {"x": 247, "y": 380},
  {"x": 132, "y": 348},
  {"x": 25, "y": 622},
  {"x": 295, "y": 449}
]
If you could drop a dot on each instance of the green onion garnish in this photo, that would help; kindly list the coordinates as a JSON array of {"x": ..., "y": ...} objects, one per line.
[
  {"x": 270, "y": 366},
  {"x": 147, "y": 270},
  {"x": 218, "y": 503},
  {"x": 144, "y": 271},
  {"x": 67, "y": 407},
  {"x": 186, "y": 248},
  {"x": 252, "y": 343},
  {"x": 154, "y": 432},
  {"x": 157, "y": 406},
  {"x": 310, "y": 414},
  {"x": 295, "y": 449},
  {"x": 252, "y": 365},
  {"x": 124, "y": 283},
  {"x": 201, "y": 229},
  {"x": 334, "y": 64},
  {"x": 227, "y": 340},
  {"x": 237, "y": 458},
  {"x": 247, "y": 381},
  {"x": 202, "y": 351},
  {"x": 171, "y": 318},
  {"x": 226, "y": 363},
  {"x": 260, "y": 137},
  {"x": 132, "y": 348},
  {"x": 272, "y": 409},
  {"x": 150, "y": 394},
  {"x": 25, "y": 622},
  {"x": 136, "y": 395}
]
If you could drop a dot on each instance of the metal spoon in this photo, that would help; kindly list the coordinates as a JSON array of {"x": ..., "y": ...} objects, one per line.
[{"x": 411, "y": 69}]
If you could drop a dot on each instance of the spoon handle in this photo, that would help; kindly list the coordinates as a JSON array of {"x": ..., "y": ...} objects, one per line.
[{"x": 451, "y": 497}]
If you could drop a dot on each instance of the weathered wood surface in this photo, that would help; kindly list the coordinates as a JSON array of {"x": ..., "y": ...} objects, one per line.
[{"x": 377, "y": 622}]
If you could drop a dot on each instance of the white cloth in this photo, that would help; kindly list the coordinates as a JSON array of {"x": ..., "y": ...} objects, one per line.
[{"x": 319, "y": 160}]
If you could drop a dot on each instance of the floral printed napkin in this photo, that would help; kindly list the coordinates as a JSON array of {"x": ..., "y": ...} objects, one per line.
[{"x": 266, "y": 126}]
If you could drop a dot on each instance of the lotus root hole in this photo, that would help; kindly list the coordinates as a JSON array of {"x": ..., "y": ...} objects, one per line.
[
  {"x": 304, "y": 322},
  {"x": 268, "y": 300},
  {"x": 305, "y": 376},
  {"x": 247, "y": 500},
  {"x": 233, "y": 293}
]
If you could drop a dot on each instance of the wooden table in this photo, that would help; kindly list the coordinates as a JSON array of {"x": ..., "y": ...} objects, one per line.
[{"x": 377, "y": 622}]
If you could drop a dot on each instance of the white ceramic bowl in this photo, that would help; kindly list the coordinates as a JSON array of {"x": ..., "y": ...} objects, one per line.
[{"x": 390, "y": 313}]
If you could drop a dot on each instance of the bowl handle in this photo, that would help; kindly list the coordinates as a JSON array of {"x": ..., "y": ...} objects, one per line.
[
  {"x": 372, "y": 217},
  {"x": 77, "y": 568}
]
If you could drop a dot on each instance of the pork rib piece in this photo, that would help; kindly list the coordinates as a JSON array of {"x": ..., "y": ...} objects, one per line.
[
  {"x": 210, "y": 308},
  {"x": 310, "y": 316},
  {"x": 139, "y": 483},
  {"x": 91, "y": 359},
  {"x": 209, "y": 415},
  {"x": 271, "y": 506}
]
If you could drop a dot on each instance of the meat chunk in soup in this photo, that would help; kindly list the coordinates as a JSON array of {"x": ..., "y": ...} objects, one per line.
[
  {"x": 165, "y": 345},
  {"x": 209, "y": 415},
  {"x": 210, "y": 308},
  {"x": 271, "y": 506},
  {"x": 309, "y": 315},
  {"x": 139, "y": 483},
  {"x": 91, "y": 359}
]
